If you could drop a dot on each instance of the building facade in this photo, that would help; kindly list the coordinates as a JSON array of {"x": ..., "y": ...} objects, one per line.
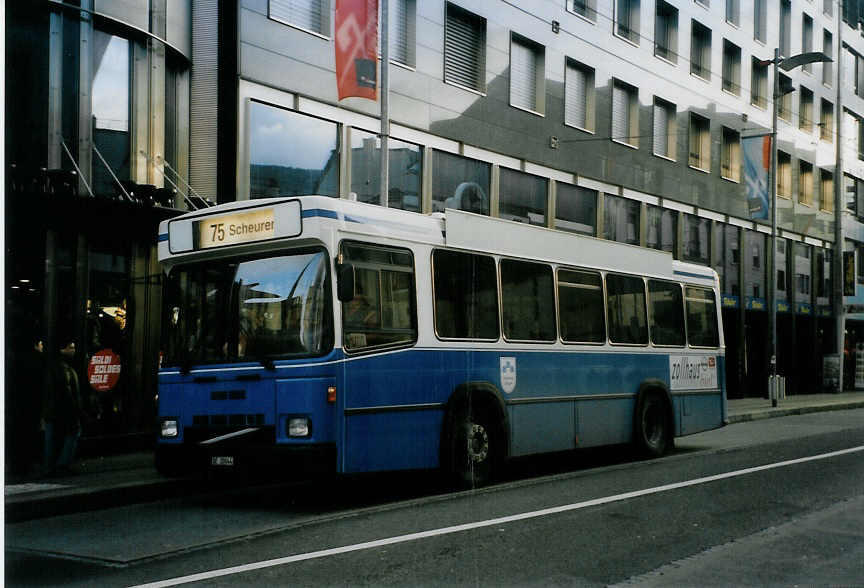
[
  {"x": 97, "y": 142},
  {"x": 620, "y": 119}
]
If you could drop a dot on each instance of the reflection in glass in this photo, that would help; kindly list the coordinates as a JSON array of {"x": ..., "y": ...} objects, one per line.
[
  {"x": 695, "y": 236},
  {"x": 110, "y": 109},
  {"x": 621, "y": 219},
  {"x": 460, "y": 182},
  {"x": 576, "y": 209},
  {"x": 754, "y": 265},
  {"x": 247, "y": 311},
  {"x": 728, "y": 258},
  {"x": 662, "y": 229},
  {"x": 291, "y": 154},
  {"x": 522, "y": 197},
  {"x": 405, "y": 171}
]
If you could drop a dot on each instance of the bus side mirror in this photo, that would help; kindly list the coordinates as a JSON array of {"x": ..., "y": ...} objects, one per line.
[{"x": 345, "y": 282}]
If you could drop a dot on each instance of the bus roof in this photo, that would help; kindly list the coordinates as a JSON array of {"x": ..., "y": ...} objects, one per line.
[{"x": 265, "y": 224}]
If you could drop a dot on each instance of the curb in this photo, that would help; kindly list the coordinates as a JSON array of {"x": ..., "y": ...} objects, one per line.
[{"x": 770, "y": 413}]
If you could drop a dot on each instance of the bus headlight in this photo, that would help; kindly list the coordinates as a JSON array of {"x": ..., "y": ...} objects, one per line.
[
  {"x": 298, "y": 427},
  {"x": 169, "y": 427}
]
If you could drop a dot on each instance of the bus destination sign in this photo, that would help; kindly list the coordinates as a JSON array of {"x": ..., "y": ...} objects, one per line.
[{"x": 240, "y": 227}]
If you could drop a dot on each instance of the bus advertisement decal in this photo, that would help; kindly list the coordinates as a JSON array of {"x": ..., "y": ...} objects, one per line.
[{"x": 692, "y": 372}]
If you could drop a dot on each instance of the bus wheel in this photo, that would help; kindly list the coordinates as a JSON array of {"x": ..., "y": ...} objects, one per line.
[
  {"x": 475, "y": 445},
  {"x": 653, "y": 430}
]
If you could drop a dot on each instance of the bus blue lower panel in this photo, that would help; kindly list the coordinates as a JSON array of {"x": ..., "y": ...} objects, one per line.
[{"x": 390, "y": 407}]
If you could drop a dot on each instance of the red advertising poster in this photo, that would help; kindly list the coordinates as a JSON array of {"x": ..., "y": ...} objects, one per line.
[
  {"x": 356, "y": 48},
  {"x": 103, "y": 371}
]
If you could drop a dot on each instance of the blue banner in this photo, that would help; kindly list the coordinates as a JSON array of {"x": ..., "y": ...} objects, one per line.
[{"x": 757, "y": 161}]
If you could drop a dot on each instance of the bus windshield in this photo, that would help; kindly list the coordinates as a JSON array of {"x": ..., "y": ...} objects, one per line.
[{"x": 246, "y": 310}]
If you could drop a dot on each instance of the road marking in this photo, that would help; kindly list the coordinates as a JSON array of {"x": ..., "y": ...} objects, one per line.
[{"x": 487, "y": 523}]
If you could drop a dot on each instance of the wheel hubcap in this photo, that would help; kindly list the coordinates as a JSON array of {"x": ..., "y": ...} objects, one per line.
[{"x": 478, "y": 443}]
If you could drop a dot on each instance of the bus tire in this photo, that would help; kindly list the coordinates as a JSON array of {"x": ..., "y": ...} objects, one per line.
[
  {"x": 653, "y": 431},
  {"x": 475, "y": 446}
]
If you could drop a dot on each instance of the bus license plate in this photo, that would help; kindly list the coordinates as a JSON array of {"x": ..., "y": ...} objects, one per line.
[{"x": 226, "y": 460}]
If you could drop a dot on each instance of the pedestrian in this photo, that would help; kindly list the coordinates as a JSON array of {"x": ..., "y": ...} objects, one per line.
[
  {"x": 29, "y": 392},
  {"x": 61, "y": 412}
]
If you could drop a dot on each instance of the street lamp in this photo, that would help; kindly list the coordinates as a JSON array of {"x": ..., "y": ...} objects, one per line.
[{"x": 787, "y": 64}]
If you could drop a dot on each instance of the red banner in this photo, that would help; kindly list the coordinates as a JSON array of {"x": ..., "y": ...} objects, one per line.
[{"x": 357, "y": 48}]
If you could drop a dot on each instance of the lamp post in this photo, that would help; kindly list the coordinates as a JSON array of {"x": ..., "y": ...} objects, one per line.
[{"x": 786, "y": 64}]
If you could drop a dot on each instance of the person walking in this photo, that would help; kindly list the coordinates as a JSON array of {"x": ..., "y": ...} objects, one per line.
[
  {"x": 61, "y": 412},
  {"x": 26, "y": 407}
]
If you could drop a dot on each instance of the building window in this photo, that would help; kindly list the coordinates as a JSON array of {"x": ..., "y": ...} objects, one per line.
[
  {"x": 759, "y": 85},
  {"x": 730, "y": 156},
  {"x": 625, "y": 113},
  {"x": 666, "y": 32},
  {"x": 784, "y": 175},
  {"x": 803, "y": 271},
  {"x": 700, "y": 142},
  {"x": 754, "y": 268},
  {"x": 805, "y": 111},
  {"x": 731, "y": 67},
  {"x": 805, "y": 183},
  {"x": 584, "y": 8},
  {"x": 460, "y": 182},
  {"x": 621, "y": 219},
  {"x": 727, "y": 258},
  {"x": 110, "y": 111},
  {"x": 760, "y": 19},
  {"x": 784, "y": 109},
  {"x": 700, "y": 51},
  {"x": 696, "y": 239},
  {"x": 579, "y": 95},
  {"x": 403, "y": 28},
  {"x": 665, "y": 129},
  {"x": 785, "y": 28},
  {"x": 826, "y": 187},
  {"x": 523, "y": 197},
  {"x": 527, "y": 75},
  {"x": 806, "y": 39},
  {"x": 465, "y": 49},
  {"x": 404, "y": 173},
  {"x": 661, "y": 229},
  {"x": 627, "y": 20},
  {"x": 309, "y": 15},
  {"x": 826, "y": 121},
  {"x": 733, "y": 12},
  {"x": 827, "y": 49},
  {"x": 277, "y": 167},
  {"x": 576, "y": 209},
  {"x": 781, "y": 278},
  {"x": 828, "y": 7},
  {"x": 859, "y": 127}
]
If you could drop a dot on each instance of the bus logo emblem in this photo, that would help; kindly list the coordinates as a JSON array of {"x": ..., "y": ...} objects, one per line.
[{"x": 508, "y": 374}]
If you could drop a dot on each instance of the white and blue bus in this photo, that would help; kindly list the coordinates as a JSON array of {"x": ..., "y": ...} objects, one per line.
[{"x": 325, "y": 334}]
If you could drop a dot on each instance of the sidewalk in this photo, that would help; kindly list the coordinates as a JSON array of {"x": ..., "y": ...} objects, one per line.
[{"x": 131, "y": 478}]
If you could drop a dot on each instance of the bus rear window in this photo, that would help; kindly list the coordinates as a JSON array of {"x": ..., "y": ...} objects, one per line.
[
  {"x": 466, "y": 295},
  {"x": 580, "y": 301},
  {"x": 666, "y": 313},
  {"x": 702, "y": 318},
  {"x": 625, "y": 297}
]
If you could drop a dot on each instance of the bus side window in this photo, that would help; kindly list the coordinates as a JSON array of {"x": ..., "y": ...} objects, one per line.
[
  {"x": 466, "y": 295},
  {"x": 527, "y": 301},
  {"x": 666, "y": 313},
  {"x": 701, "y": 318},
  {"x": 580, "y": 300},
  {"x": 382, "y": 312},
  {"x": 625, "y": 297}
]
